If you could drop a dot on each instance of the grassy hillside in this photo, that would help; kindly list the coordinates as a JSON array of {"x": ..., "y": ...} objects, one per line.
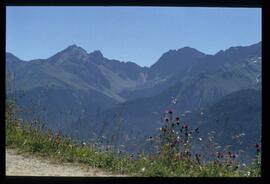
[{"x": 35, "y": 138}]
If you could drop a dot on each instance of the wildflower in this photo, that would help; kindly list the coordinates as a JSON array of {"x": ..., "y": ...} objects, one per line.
[
  {"x": 200, "y": 139},
  {"x": 220, "y": 155},
  {"x": 174, "y": 100},
  {"x": 163, "y": 129},
  {"x": 177, "y": 119},
  {"x": 170, "y": 111},
  {"x": 188, "y": 153},
  {"x": 150, "y": 138},
  {"x": 198, "y": 158},
  {"x": 258, "y": 148},
  {"x": 166, "y": 119},
  {"x": 143, "y": 169}
]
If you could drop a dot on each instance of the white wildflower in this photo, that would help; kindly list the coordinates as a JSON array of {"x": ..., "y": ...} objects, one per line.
[
  {"x": 143, "y": 169},
  {"x": 174, "y": 101}
]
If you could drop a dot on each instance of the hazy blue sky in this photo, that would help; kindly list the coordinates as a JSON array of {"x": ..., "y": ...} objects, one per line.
[{"x": 137, "y": 34}]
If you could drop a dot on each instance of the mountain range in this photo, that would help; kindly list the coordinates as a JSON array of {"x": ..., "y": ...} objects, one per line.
[{"x": 84, "y": 93}]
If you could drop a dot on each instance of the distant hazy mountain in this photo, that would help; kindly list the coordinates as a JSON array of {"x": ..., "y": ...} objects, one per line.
[
  {"x": 186, "y": 63},
  {"x": 64, "y": 84},
  {"x": 169, "y": 69},
  {"x": 191, "y": 92},
  {"x": 175, "y": 62},
  {"x": 81, "y": 92}
]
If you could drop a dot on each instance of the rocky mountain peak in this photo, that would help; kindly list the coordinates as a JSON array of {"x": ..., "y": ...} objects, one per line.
[
  {"x": 96, "y": 54},
  {"x": 75, "y": 49}
]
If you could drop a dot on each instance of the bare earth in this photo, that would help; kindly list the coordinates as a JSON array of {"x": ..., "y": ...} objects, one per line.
[{"x": 22, "y": 165}]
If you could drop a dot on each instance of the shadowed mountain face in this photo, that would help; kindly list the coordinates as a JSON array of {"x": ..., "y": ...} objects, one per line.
[
  {"x": 175, "y": 62},
  {"x": 80, "y": 92},
  {"x": 235, "y": 119}
]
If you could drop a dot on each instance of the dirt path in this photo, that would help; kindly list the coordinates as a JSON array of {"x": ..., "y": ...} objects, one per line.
[{"x": 21, "y": 165}]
